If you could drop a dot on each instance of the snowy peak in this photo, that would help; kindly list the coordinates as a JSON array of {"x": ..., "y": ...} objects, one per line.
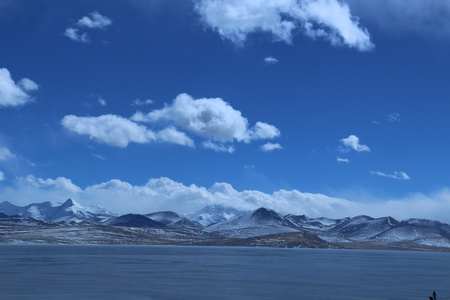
[
  {"x": 213, "y": 214},
  {"x": 262, "y": 221},
  {"x": 264, "y": 216},
  {"x": 363, "y": 227},
  {"x": 47, "y": 211}
]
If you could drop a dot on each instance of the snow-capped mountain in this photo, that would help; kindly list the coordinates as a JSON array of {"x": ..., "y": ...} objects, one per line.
[
  {"x": 213, "y": 214},
  {"x": 172, "y": 219},
  {"x": 259, "y": 222},
  {"x": 47, "y": 211}
]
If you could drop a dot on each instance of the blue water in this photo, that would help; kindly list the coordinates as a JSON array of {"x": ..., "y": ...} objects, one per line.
[{"x": 165, "y": 272}]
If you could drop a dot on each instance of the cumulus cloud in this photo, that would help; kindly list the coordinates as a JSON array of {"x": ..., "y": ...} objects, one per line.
[
  {"x": 94, "y": 20},
  {"x": 270, "y": 60},
  {"x": 210, "y": 118},
  {"x": 344, "y": 160},
  {"x": 352, "y": 142},
  {"x": 399, "y": 175},
  {"x": 5, "y": 154},
  {"x": 2, "y": 176},
  {"x": 268, "y": 147},
  {"x": 109, "y": 129},
  {"x": 165, "y": 194},
  {"x": 173, "y": 136},
  {"x": 327, "y": 19},
  {"x": 117, "y": 131},
  {"x": 12, "y": 94},
  {"x": 218, "y": 147}
]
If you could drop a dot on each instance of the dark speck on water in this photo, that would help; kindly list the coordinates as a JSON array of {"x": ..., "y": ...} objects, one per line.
[{"x": 170, "y": 272}]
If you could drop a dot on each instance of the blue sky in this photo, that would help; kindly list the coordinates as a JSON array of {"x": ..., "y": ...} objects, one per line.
[{"x": 318, "y": 107}]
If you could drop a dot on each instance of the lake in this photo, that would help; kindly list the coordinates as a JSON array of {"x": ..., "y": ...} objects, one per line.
[{"x": 171, "y": 272}]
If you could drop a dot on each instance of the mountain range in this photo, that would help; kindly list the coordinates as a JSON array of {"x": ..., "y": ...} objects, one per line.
[{"x": 217, "y": 225}]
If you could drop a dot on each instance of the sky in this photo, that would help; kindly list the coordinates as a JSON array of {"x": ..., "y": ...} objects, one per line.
[{"x": 320, "y": 107}]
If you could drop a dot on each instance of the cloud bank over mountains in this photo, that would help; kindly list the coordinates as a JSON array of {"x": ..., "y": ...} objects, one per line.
[{"x": 165, "y": 194}]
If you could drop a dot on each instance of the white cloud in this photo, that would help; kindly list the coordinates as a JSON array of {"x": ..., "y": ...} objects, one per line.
[
  {"x": 399, "y": 175},
  {"x": 94, "y": 21},
  {"x": 328, "y": 19},
  {"x": 12, "y": 94},
  {"x": 28, "y": 85},
  {"x": 117, "y": 131},
  {"x": 138, "y": 102},
  {"x": 270, "y": 60},
  {"x": 344, "y": 160},
  {"x": 72, "y": 33},
  {"x": 2, "y": 176},
  {"x": 270, "y": 147},
  {"x": 173, "y": 136},
  {"x": 5, "y": 154},
  {"x": 109, "y": 129},
  {"x": 352, "y": 142},
  {"x": 101, "y": 101},
  {"x": 218, "y": 147},
  {"x": 211, "y": 118},
  {"x": 165, "y": 194},
  {"x": 393, "y": 117}
]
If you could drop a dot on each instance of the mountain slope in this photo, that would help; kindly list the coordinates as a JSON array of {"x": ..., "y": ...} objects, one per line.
[
  {"x": 172, "y": 219},
  {"x": 259, "y": 222}
]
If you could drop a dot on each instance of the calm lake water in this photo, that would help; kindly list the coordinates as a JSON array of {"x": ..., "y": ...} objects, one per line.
[{"x": 166, "y": 272}]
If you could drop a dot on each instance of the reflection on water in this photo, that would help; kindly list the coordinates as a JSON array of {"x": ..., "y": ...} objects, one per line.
[{"x": 165, "y": 272}]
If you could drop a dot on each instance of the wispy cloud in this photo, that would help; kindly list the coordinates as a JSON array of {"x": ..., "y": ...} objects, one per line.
[
  {"x": 393, "y": 117},
  {"x": 101, "y": 101},
  {"x": 12, "y": 94},
  {"x": 268, "y": 147},
  {"x": 327, "y": 19},
  {"x": 5, "y": 154},
  {"x": 218, "y": 147},
  {"x": 92, "y": 21},
  {"x": 342, "y": 160},
  {"x": 352, "y": 142},
  {"x": 270, "y": 60},
  {"x": 138, "y": 102},
  {"x": 399, "y": 175}
]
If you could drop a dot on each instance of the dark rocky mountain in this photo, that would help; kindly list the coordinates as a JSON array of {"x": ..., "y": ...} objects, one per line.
[
  {"x": 134, "y": 220},
  {"x": 172, "y": 219}
]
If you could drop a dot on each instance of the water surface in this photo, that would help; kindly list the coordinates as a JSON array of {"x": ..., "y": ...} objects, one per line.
[{"x": 168, "y": 272}]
